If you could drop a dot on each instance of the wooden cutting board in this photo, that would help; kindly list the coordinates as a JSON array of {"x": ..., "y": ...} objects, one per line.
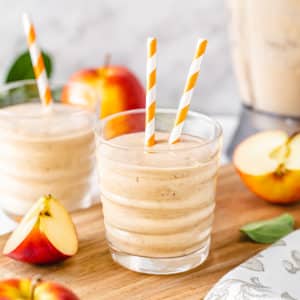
[{"x": 94, "y": 276}]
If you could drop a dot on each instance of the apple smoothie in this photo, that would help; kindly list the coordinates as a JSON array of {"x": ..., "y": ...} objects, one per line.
[
  {"x": 158, "y": 203},
  {"x": 45, "y": 153},
  {"x": 266, "y": 52}
]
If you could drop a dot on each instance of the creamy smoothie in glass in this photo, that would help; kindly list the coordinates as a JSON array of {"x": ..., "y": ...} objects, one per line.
[
  {"x": 44, "y": 152},
  {"x": 266, "y": 51},
  {"x": 158, "y": 204}
]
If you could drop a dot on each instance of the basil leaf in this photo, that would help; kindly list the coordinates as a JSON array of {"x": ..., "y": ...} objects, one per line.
[
  {"x": 271, "y": 230},
  {"x": 22, "y": 68}
]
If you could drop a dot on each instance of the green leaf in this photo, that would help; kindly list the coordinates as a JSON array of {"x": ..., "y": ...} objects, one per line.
[
  {"x": 22, "y": 68},
  {"x": 271, "y": 230}
]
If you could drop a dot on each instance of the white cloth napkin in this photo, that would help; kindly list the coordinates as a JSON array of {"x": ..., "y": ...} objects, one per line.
[
  {"x": 273, "y": 274},
  {"x": 6, "y": 224}
]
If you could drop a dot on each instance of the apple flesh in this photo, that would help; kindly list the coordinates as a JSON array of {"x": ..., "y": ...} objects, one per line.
[
  {"x": 269, "y": 165},
  {"x": 117, "y": 88},
  {"x": 45, "y": 235},
  {"x": 25, "y": 289}
]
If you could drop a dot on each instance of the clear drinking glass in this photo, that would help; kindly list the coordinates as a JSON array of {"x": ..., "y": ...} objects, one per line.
[
  {"x": 44, "y": 152},
  {"x": 158, "y": 203}
]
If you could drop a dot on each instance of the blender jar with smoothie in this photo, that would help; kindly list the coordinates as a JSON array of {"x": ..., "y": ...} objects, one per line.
[{"x": 265, "y": 39}]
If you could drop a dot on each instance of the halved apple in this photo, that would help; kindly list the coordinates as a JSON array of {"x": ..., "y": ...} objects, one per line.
[
  {"x": 45, "y": 235},
  {"x": 269, "y": 164},
  {"x": 29, "y": 289}
]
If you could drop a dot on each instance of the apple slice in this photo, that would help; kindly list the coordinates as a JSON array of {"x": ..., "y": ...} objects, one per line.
[
  {"x": 269, "y": 164},
  {"x": 45, "y": 235}
]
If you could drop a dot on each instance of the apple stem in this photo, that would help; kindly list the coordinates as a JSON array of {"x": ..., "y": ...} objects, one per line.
[
  {"x": 107, "y": 60},
  {"x": 36, "y": 280},
  {"x": 293, "y": 135}
]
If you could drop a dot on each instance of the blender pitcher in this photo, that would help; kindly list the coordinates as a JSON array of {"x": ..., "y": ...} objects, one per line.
[{"x": 265, "y": 38}]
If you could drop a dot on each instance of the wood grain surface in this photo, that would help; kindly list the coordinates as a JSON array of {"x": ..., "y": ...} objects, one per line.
[{"x": 94, "y": 276}]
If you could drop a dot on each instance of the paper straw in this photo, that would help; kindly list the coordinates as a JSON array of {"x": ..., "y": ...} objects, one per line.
[
  {"x": 151, "y": 93},
  {"x": 185, "y": 100},
  {"x": 37, "y": 63}
]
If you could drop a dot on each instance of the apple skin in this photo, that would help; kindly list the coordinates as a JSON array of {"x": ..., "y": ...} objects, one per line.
[
  {"x": 36, "y": 249},
  {"x": 123, "y": 124},
  {"x": 274, "y": 188},
  {"x": 12, "y": 289},
  {"x": 47, "y": 289},
  {"x": 117, "y": 87},
  {"x": 45, "y": 235}
]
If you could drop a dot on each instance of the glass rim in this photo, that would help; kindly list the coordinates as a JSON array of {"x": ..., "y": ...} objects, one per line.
[
  {"x": 21, "y": 83},
  {"x": 101, "y": 123},
  {"x": 14, "y": 84}
]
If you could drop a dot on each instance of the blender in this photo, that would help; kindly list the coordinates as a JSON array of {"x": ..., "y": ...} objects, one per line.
[{"x": 265, "y": 39}]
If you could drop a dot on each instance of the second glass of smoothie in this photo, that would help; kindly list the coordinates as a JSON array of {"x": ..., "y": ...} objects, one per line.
[
  {"x": 158, "y": 203},
  {"x": 44, "y": 152}
]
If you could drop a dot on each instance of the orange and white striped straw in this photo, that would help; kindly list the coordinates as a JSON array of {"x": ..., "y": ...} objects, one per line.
[
  {"x": 151, "y": 92},
  {"x": 37, "y": 63},
  {"x": 185, "y": 100}
]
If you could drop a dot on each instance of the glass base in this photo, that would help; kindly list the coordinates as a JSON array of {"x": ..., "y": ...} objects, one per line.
[{"x": 161, "y": 266}]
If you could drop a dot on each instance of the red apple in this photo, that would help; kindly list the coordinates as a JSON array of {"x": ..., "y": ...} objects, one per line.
[
  {"x": 117, "y": 88},
  {"x": 26, "y": 289},
  {"x": 45, "y": 235},
  {"x": 269, "y": 165}
]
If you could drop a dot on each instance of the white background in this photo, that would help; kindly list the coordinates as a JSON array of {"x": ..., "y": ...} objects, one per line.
[{"x": 78, "y": 34}]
